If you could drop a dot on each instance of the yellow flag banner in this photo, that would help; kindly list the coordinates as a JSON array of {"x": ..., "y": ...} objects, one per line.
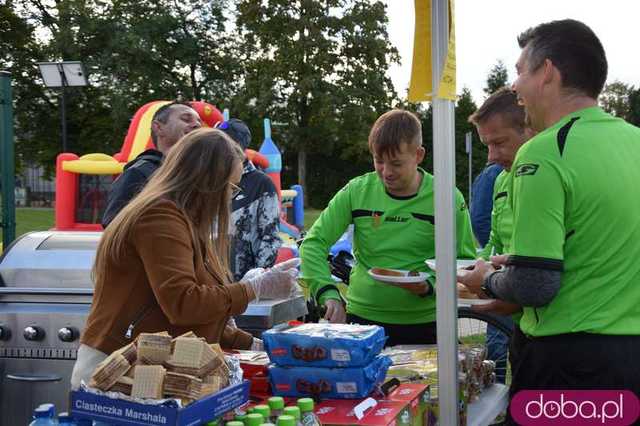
[{"x": 420, "y": 87}]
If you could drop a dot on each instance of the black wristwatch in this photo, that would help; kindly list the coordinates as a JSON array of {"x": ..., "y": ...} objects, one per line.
[
  {"x": 486, "y": 290},
  {"x": 429, "y": 291}
]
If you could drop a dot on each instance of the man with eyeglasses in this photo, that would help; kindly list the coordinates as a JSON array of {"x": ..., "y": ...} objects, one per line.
[
  {"x": 255, "y": 211},
  {"x": 170, "y": 123}
]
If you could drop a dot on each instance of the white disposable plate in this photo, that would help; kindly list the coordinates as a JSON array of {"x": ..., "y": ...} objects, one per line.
[
  {"x": 460, "y": 263},
  {"x": 474, "y": 301},
  {"x": 404, "y": 279}
]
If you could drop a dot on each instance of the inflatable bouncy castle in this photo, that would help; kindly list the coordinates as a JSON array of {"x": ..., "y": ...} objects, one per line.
[{"x": 83, "y": 183}]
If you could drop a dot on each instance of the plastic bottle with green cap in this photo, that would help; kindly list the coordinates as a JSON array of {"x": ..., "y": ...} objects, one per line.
[
  {"x": 267, "y": 424},
  {"x": 294, "y": 411},
  {"x": 234, "y": 423},
  {"x": 254, "y": 419},
  {"x": 242, "y": 418},
  {"x": 264, "y": 410},
  {"x": 213, "y": 423},
  {"x": 286, "y": 420},
  {"x": 276, "y": 404},
  {"x": 309, "y": 418}
]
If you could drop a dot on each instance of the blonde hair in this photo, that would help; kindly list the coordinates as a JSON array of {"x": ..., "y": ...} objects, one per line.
[{"x": 195, "y": 176}]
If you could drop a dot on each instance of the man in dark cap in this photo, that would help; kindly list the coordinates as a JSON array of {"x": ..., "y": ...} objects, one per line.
[{"x": 255, "y": 210}]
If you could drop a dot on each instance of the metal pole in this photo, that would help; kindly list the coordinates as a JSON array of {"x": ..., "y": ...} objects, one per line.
[
  {"x": 467, "y": 142},
  {"x": 7, "y": 160},
  {"x": 63, "y": 106},
  {"x": 444, "y": 176}
]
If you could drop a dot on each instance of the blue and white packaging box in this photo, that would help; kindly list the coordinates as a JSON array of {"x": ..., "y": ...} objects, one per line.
[
  {"x": 323, "y": 345},
  {"x": 87, "y": 405}
]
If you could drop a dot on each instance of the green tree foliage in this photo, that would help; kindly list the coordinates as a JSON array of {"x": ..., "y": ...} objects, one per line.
[
  {"x": 634, "y": 107},
  {"x": 464, "y": 108},
  {"x": 622, "y": 100},
  {"x": 615, "y": 98},
  {"x": 20, "y": 50},
  {"x": 498, "y": 77},
  {"x": 134, "y": 51},
  {"x": 319, "y": 67}
]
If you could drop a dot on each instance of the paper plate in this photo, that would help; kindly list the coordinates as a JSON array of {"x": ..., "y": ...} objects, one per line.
[
  {"x": 469, "y": 302},
  {"x": 404, "y": 279},
  {"x": 460, "y": 263}
]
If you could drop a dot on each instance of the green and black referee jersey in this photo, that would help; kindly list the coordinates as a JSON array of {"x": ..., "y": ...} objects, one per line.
[
  {"x": 501, "y": 218},
  {"x": 389, "y": 232},
  {"x": 576, "y": 206}
]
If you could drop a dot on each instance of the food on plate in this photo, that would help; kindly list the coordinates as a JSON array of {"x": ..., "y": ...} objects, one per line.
[
  {"x": 465, "y": 293},
  {"x": 387, "y": 272}
]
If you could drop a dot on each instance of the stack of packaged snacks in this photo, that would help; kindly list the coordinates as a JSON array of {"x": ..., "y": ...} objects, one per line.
[
  {"x": 325, "y": 360},
  {"x": 475, "y": 373},
  {"x": 156, "y": 366}
]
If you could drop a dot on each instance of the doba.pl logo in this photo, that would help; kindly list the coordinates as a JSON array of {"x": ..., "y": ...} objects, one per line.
[{"x": 572, "y": 407}]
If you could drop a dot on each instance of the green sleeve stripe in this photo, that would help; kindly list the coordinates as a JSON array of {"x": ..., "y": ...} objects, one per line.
[{"x": 535, "y": 262}]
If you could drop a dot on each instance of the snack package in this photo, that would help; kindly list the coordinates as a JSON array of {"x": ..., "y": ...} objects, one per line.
[
  {"x": 323, "y": 345},
  {"x": 340, "y": 383}
]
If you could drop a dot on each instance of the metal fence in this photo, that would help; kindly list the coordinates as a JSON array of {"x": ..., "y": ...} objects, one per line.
[{"x": 34, "y": 189}]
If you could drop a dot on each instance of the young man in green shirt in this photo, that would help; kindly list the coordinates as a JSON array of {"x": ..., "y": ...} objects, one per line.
[
  {"x": 574, "y": 252},
  {"x": 392, "y": 211},
  {"x": 500, "y": 122}
]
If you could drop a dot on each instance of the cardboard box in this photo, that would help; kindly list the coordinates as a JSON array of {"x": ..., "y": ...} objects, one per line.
[
  {"x": 417, "y": 397},
  {"x": 385, "y": 413},
  {"x": 86, "y": 405}
]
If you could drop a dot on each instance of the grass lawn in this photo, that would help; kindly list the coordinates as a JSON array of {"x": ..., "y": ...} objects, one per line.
[
  {"x": 32, "y": 219},
  {"x": 310, "y": 216},
  {"x": 40, "y": 219}
]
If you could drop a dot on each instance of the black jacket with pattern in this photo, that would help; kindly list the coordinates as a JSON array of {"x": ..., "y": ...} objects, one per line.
[{"x": 255, "y": 222}]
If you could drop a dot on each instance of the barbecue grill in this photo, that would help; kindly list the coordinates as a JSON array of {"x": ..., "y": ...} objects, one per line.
[{"x": 45, "y": 297}]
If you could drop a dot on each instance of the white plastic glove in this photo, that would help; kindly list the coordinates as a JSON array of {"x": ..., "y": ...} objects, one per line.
[
  {"x": 257, "y": 345},
  {"x": 277, "y": 282},
  {"x": 288, "y": 264},
  {"x": 252, "y": 273}
]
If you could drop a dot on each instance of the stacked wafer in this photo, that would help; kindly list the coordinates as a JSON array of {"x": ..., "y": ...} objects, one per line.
[
  {"x": 109, "y": 371},
  {"x": 183, "y": 386},
  {"x": 156, "y": 365},
  {"x": 123, "y": 385},
  {"x": 148, "y": 381},
  {"x": 193, "y": 356},
  {"x": 153, "y": 348}
]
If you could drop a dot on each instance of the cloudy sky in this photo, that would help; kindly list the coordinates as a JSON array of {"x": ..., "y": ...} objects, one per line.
[{"x": 486, "y": 31}]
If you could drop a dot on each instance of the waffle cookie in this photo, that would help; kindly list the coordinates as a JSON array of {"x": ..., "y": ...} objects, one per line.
[
  {"x": 148, "y": 381},
  {"x": 109, "y": 371},
  {"x": 122, "y": 385},
  {"x": 182, "y": 386},
  {"x": 154, "y": 348}
]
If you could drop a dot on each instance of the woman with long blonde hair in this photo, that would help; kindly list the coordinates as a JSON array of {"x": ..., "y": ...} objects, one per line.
[{"x": 159, "y": 267}]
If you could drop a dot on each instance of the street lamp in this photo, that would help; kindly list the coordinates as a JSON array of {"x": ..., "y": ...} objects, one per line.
[{"x": 63, "y": 74}]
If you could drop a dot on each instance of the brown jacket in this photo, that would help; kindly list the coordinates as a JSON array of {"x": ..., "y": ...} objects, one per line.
[{"x": 163, "y": 285}]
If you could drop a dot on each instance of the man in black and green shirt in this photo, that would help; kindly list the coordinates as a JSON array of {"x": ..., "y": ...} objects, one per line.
[
  {"x": 392, "y": 211},
  {"x": 574, "y": 251},
  {"x": 500, "y": 122}
]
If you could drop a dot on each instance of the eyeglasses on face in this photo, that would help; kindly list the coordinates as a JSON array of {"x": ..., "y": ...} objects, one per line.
[{"x": 235, "y": 190}]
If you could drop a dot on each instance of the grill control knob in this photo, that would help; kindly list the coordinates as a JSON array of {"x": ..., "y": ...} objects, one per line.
[
  {"x": 68, "y": 334},
  {"x": 33, "y": 333},
  {"x": 5, "y": 333}
]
